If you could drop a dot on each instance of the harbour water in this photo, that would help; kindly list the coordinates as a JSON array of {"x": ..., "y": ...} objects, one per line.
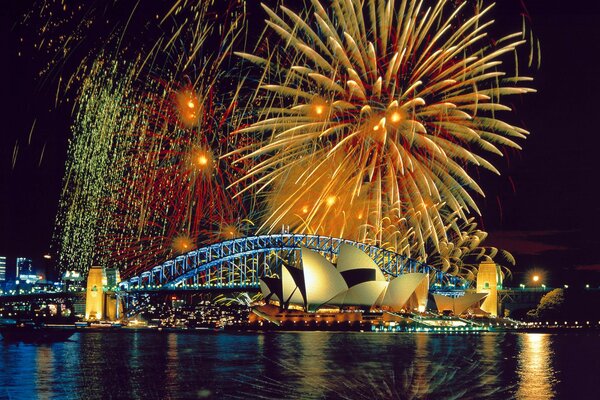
[{"x": 298, "y": 365}]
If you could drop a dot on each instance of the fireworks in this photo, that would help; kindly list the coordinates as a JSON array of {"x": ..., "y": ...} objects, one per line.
[
  {"x": 368, "y": 122},
  {"x": 144, "y": 180},
  {"x": 375, "y": 111}
]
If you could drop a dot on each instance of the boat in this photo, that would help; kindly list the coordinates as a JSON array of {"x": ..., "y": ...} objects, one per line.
[
  {"x": 30, "y": 332},
  {"x": 105, "y": 325}
]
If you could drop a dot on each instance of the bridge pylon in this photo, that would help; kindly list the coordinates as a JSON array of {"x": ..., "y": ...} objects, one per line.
[{"x": 100, "y": 300}]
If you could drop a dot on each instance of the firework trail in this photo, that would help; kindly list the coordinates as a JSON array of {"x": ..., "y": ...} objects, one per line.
[
  {"x": 371, "y": 115},
  {"x": 144, "y": 178}
]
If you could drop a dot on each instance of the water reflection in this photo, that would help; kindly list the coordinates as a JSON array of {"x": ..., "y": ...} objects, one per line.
[
  {"x": 535, "y": 369},
  {"x": 172, "y": 361},
  {"x": 420, "y": 382},
  {"x": 312, "y": 364},
  {"x": 277, "y": 365},
  {"x": 44, "y": 371}
]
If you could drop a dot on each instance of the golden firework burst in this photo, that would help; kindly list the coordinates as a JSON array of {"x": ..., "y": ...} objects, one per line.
[{"x": 384, "y": 105}]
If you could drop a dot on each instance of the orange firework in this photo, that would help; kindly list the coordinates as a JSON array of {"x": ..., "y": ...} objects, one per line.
[
  {"x": 380, "y": 108},
  {"x": 188, "y": 106},
  {"x": 183, "y": 244}
]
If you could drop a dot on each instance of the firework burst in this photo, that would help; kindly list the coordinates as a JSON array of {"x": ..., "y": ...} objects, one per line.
[
  {"x": 144, "y": 171},
  {"x": 377, "y": 109}
]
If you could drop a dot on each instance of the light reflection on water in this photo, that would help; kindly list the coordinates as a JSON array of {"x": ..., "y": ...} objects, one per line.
[
  {"x": 152, "y": 365},
  {"x": 535, "y": 369}
]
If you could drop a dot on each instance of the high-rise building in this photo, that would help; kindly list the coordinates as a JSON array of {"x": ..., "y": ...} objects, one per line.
[
  {"x": 2, "y": 269},
  {"x": 24, "y": 267},
  {"x": 25, "y": 271}
]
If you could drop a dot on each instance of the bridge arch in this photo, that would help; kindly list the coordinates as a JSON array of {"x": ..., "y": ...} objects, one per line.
[{"x": 240, "y": 263}]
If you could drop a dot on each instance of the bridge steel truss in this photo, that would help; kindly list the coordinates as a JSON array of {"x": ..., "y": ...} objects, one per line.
[{"x": 240, "y": 263}]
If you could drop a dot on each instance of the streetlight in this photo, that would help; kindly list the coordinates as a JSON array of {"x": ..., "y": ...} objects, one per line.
[{"x": 536, "y": 278}]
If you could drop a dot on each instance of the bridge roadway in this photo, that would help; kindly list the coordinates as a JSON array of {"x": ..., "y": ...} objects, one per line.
[{"x": 240, "y": 263}]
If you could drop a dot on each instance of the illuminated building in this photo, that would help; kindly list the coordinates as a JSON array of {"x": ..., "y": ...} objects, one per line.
[
  {"x": 489, "y": 280},
  {"x": 24, "y": 266},
  {"x": 100, "y": 300},
  {"x": 355, "y": 290},
  {"x": 355, "y": 285},
  {"x": 25, "y": 272},
  {"x": 457, "y": 305},
  {"x": 94, "y": 297},
  {"x": 2, "y": 269},
  {"x": 356, "y": 281}
]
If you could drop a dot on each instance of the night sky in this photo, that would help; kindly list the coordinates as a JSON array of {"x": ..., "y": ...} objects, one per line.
[{"x": 544, "y": 208}]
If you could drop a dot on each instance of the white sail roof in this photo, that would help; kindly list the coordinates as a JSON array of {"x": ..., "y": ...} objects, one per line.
[
  {"x": 291, "y": 292},
  {"x": 351, "y": 257},
  {"x": 364, "y": 294},
  {"x": 322, "y": 281},
  {"x": 457, "y": 305},
  {"x": 401, "y": 289},
  {"x": 266, "y": 291},
  {"x": 318, "y": 282}
]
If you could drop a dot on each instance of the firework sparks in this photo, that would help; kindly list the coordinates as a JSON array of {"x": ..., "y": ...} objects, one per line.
[
  {"x": 368, "y": 122},
  {"x": 379, "y": 108},
  {"x": 144, "y": 181}
]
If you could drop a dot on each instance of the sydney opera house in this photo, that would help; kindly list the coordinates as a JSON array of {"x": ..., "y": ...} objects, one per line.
[{"x": 354, "y": 290}]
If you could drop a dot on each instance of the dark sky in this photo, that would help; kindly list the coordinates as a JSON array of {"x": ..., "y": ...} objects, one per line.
[{"x": 544, "y": 208}]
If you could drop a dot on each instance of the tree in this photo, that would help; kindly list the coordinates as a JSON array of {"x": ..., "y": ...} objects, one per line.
[{"x": 551, "y": 305}]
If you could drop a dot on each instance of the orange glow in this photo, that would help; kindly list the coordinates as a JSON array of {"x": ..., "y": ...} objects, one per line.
[
  {"x": 182, "y": 244},
  {"x": 318, "y": 109},
  {"x": 201, "y": 161},
  {"x": 536, "y": 278},
  {"x": 395, "y": 117},
  {"x": 188, "y": 106},
  {"x": 375, "y": 128},
  {"x": 305, "y": 210},
  {"x": 331, "y": 200}
]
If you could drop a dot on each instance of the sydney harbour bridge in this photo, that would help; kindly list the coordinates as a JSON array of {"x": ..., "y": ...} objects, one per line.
[
  {"x": 240, "y": 263},
  {"x": 237, "y": 265}
]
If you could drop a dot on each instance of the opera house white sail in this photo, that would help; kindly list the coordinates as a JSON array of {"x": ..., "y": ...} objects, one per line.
[
  {"x": 457, "y": 305},
  {"x": 356, "y": 281}
]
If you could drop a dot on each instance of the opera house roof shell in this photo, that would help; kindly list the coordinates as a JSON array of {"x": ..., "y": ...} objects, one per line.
[{"x": 355, "y": 280}]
